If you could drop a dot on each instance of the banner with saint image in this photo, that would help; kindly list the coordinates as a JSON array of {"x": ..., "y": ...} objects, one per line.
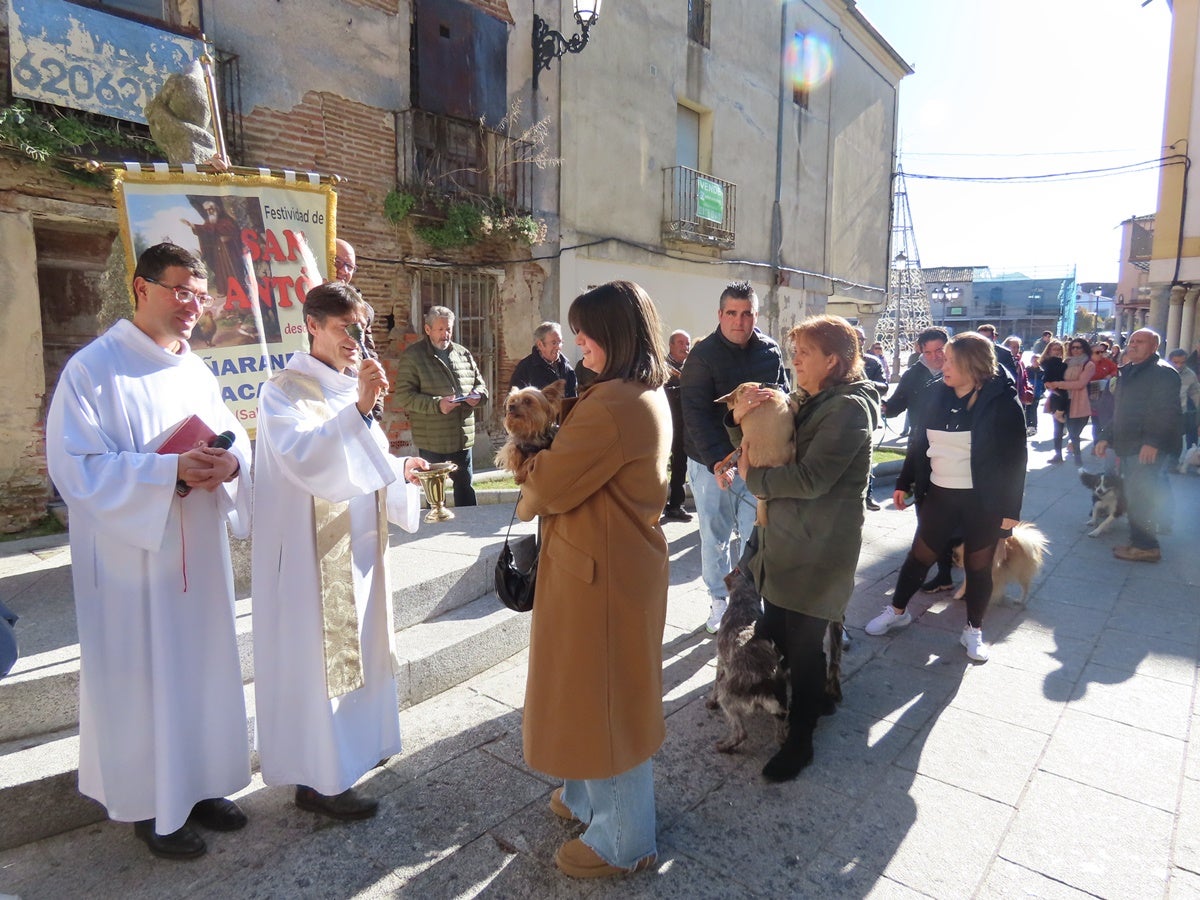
[{"x": 265, "y": 240}]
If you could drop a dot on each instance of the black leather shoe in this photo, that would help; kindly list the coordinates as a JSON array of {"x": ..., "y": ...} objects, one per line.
[
  {"x": 938, "y": 583},
  {"x": 346, "y": 806},
  {"x": 181, "y": 844},
  {"x": 218, "y": 814},
  {"x": 871, "y": 504},
  {"x": 793, "y": 757},
  {"x": 677, "y": 514}
]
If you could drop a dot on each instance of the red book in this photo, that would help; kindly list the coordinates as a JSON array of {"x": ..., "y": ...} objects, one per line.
[{"x": 186, "y": 435}]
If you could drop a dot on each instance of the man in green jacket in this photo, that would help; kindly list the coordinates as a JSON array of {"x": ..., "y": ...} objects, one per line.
[{"x": 439, "y": 385}]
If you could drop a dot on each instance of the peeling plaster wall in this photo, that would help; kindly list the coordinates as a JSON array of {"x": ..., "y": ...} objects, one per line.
[
  {"x": 520, "y": 313},
  {"x": 23, "y": 484},
  {"x": 290, "y": 48}
]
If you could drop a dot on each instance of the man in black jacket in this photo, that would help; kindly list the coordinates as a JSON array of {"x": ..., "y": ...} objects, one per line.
[
  {"x": 1144, "y": 430},
  {"x": 912, "y": 395},
  {"x": 735, "y": 353},
  {"x": 874, "y": 372},
  {"x": 1003, "y": 354},
  {"x": 679, "y": 345},
  {"x": 913, "y": 390},
  {"x": 546, "y": 363}
]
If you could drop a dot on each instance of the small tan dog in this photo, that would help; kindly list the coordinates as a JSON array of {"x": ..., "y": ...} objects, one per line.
[
  {"x": 531, "y": 420},
  {"x": 1018, "y": 558},
  {"x": 768, "y": 434}
]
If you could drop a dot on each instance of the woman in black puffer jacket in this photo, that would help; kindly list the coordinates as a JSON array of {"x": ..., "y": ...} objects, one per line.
[{"x": 968, "y": 475}]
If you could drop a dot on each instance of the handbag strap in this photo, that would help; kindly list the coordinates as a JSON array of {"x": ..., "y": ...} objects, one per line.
[{"x": 537, "y": 540}]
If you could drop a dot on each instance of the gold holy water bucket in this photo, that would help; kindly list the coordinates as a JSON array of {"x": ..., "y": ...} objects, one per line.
[{"x": 433, "y": 480}]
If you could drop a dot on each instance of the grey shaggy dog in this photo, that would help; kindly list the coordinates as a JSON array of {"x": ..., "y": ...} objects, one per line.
[{"x": 750, "y": 674}]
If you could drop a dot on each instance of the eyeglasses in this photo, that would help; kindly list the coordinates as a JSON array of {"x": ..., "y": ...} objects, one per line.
[
  {"x": 185, "y": 295},
  {"x": 340, "y": 264}
]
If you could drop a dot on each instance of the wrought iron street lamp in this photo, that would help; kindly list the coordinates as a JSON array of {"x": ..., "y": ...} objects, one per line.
[
  {"x": 549, "y": 45},
  {"x": 944, "y": 294},
  {"x": 1097, "y": 294}
]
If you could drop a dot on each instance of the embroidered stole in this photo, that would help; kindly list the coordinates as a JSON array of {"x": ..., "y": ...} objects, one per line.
[{"x": 343, "y": 649}]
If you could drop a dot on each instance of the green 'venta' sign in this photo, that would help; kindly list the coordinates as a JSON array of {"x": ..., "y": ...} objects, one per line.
[{"x": 710, "y": 200}]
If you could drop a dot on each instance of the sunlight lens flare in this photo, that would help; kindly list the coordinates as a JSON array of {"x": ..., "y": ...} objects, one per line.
[{"x": 808, "y": 59}]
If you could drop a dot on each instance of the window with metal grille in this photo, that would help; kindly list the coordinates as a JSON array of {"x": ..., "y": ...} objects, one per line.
[{"x": 471, "y": 295}]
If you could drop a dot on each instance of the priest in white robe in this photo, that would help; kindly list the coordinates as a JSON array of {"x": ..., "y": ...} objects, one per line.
[
  {"x": 162, "y": 720},
  {"x": 325, "y": 688}
]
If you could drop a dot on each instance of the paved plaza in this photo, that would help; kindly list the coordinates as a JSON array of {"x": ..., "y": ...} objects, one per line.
[{"x": 1067, "y": 766}]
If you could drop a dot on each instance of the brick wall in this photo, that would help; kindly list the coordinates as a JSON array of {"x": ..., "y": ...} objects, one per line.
[
  {"x": 497, "y": 8},
  {"x": 331, "y": 134}
]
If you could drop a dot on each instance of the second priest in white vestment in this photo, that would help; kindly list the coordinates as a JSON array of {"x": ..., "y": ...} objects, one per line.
[{"x": 324, "y": 683}]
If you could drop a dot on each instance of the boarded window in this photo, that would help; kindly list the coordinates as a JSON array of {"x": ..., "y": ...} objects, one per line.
[{"x": 459, "y": 61}]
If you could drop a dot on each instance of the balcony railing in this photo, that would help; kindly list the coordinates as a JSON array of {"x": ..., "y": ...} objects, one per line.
[
  {"x": 229, "y": 89},
  {"x": 698, "y": 208},
  {"x": 443, "y": 155}
]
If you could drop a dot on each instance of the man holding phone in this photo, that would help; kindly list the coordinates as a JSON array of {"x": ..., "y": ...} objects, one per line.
[{"x": 439, "y": 385}]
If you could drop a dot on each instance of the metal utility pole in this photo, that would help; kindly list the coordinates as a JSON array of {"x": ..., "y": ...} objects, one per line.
[{"x": 907, "y": 312}]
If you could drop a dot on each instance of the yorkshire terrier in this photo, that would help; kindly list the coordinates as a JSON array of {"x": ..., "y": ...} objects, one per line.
[
  {"x": 768, "y": 434},
  {"x": 531, "y": 420}
]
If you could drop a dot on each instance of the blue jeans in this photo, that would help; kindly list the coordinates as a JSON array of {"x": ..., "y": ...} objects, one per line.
[
  {"x": 464, "y": 492},
  {"x": 720, "y": 512},
  {"x": 1143, "y": 500},
  {"x": 619, "y": 813}
]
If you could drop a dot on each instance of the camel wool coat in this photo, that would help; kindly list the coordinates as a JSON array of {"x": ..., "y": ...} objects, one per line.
[{"x": 593, "y": 698}]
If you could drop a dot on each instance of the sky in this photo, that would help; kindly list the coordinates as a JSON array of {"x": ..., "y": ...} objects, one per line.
[{"x": 1027, "y": 87}]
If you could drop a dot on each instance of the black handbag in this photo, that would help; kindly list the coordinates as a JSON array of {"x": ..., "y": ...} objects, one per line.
[{"x": 516, "y": 569}]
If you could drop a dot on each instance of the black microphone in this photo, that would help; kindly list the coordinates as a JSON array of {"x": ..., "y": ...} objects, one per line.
[{"x": 222, "y": 441}]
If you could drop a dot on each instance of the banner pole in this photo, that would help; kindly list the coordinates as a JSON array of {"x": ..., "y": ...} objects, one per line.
[{"x": 214, "y": 108}]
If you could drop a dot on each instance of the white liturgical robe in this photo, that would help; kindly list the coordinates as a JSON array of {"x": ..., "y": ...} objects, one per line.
[
  {"x": 162, "y": 721},
  {"x": 314, "y": 452}
]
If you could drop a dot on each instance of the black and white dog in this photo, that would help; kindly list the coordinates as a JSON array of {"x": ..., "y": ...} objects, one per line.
[{"x": 1108, "y": 500}]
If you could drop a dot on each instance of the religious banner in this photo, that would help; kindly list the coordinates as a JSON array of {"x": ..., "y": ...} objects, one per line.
[{"x": 265, "y": 240}]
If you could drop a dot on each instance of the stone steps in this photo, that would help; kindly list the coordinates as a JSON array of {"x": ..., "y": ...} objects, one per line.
[{"x": 449, "y": 627}]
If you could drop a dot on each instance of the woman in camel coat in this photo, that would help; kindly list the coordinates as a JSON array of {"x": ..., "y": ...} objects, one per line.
[{"x": 593, "y": 699}]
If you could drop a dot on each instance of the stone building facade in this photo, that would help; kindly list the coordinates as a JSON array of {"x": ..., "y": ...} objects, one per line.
[{"x": 433, "y": 102}]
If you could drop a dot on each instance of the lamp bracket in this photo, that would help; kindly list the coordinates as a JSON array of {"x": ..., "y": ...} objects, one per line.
[{"x": 549, "y": 45}]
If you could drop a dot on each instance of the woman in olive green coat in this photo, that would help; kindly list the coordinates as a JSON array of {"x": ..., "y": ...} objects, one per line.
[{"x": 808, "y": 550}]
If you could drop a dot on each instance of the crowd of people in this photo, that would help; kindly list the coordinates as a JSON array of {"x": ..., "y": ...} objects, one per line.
[{"x": 162, "y": 723}]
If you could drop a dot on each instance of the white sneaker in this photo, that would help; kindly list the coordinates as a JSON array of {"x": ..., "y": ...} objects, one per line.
[
  {"x": 887, "y": 620},
  {"x": 972, "y": 639},
  {"x": 719, "y": 605}
]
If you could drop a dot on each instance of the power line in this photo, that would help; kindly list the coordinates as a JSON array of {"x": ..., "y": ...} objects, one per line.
[
  {"x": 1129, "y": 168},
  {"x": 931, "y": 153}
]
